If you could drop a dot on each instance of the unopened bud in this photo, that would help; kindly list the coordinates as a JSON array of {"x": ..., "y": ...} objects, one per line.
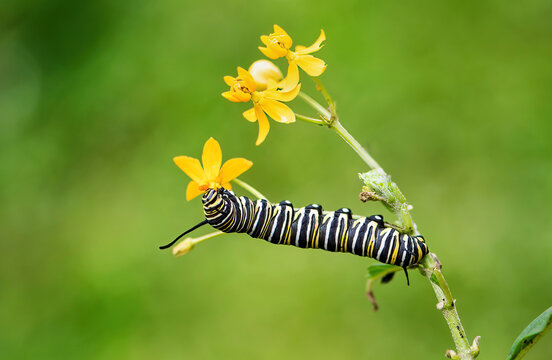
[
  {"x": 264, "y": 73},
  {"x": 184, "y": 247}
]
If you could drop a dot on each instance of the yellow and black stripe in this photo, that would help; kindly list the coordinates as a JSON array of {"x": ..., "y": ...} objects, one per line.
[{"x": 310, "y": 227}]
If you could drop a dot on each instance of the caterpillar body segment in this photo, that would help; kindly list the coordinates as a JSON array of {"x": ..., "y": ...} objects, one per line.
[{"x": 310, "y": 227}]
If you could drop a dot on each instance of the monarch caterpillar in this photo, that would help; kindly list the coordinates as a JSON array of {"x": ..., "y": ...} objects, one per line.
[{"x": 310, "y": 227}]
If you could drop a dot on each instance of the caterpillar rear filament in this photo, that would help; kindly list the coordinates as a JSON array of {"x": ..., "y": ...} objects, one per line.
[{"x": 310, "y": 227}]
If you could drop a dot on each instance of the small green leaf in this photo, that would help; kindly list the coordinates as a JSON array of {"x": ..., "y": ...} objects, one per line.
[
  {"x": 434, "y": 280},
  {"x": 375, "y": 272},
  {"x": 380, "y": 270},
  {"x": 531, "y": 334}
]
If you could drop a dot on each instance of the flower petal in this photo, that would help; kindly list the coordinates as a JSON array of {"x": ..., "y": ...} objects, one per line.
[
  {"x": 283, "y": 36},
  {"x": 291, "y": 79},
  {"x": 228, "y": 96},
  {"x": 192, "y": 191},
  {"x": 300, "y": 50},
  {"x": 229, "y": 80},
  {"x": 242, "y": 96},
  {"x": 269, "y": 53},
  {"x": 278, "y": 111},
  {"x": 281, "y": 95},
  {"x": 246, "y": 76},
  {"x": 212, "y": 159},
  {"x": 271, "y": 84},
  {"x": 264, "y": 126},
  {"x": 235, "y": 96},
  {"x": 234, "y": 168},
  {"x": 264, "y": 39},
  {"x": 311, "y": 65},
  {"x": 191, "y": 167},
  {"x": 250, "y": 115},
  {"x": 227, "y": 186}
]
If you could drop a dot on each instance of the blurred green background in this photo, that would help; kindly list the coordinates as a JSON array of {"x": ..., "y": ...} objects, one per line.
[{"x": 96, "y": 97}]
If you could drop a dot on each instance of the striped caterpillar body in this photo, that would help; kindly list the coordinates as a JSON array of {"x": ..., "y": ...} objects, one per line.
[{"x": 310, "y": 227}]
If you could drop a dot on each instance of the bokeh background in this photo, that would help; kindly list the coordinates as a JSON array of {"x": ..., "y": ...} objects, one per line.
[{"x": 96, "y": 97}]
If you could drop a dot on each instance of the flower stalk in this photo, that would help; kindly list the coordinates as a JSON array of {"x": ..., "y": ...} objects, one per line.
[
  {"x": 330, "y": 119},
  {"x": 188, "y": 244},
  {"x": 250, "y": 188},
  {"x": 310, "y": 119},
  {"x": 353, "y": 143},
  {"x": 325, "y": 114}
]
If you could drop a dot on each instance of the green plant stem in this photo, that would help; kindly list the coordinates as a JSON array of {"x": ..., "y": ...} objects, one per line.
[
  {"x": 331, "y": 103},
  {"x": 315, "y": 104},
  {"x": 333, "y": 123},
  {"x": 352, "y": 142},
  {"x": 310, "y": 119},
  {"x": 249, "y": 188},
  {"x": 197, "y": 240},
  {"x": 430, "y": 265},
  {"x": 431, "y": 268},
  {"x": 188, "y": 244}
]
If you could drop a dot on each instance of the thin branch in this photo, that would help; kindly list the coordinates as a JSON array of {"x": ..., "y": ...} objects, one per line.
[
  {"x": 315, "y": 104},
  {"x": 310, "y": 119},
  {"x": 188, "y": 244},
  {"x": 353, "y": 143}
]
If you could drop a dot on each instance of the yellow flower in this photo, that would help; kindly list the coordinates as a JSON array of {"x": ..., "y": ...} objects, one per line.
[
  {"x": 211, "y": 175},
  {"x": 244, "y": 88},
  {"x": 278, "y": 44}
]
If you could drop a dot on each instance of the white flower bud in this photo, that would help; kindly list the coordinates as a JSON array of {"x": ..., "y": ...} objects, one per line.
[{"x": 265, "y": 72}]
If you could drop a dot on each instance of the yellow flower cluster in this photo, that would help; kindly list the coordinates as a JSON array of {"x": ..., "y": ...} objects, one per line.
[
  {"x": 278, "y": 44},
  {"x": 244, "y": 88},
  {"x": 264, "y": 85}
]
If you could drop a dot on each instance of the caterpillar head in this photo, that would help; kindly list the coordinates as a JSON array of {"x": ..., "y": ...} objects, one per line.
[
  {"x": 209, "y": 195},
  {"x": 422, "y": 244},
  {"x": 215, "y": 204},
  {"x": 214, "y": 201}
]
